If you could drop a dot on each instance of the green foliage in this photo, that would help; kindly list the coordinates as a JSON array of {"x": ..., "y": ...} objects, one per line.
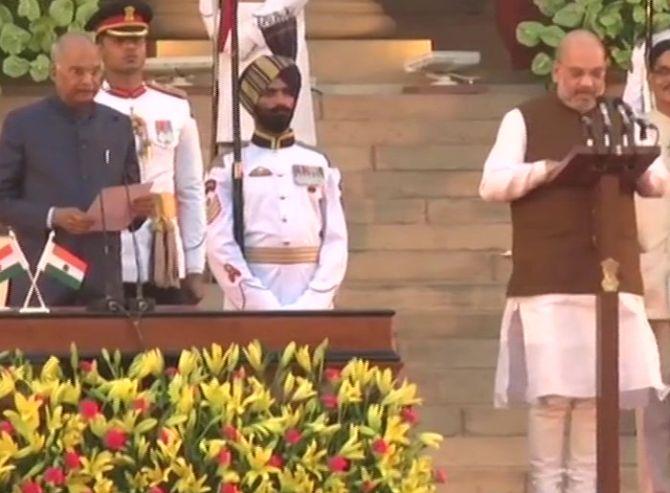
[
  {"x": 619, "y": 23},
  {"x": 28, "y": 28}
]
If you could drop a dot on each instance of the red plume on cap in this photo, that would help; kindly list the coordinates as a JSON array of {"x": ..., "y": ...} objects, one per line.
[{"x": 227, "y": 16}]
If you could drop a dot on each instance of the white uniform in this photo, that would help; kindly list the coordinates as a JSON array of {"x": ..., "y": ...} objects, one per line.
[
  {"x": 294, "y": 231},
  {"x": 542, "y": 338},
  {"x": 252, "y": 45},
  {"x": 173, "y": 162}
]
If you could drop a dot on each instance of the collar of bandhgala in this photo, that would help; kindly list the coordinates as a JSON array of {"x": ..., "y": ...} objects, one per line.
[
  {"x": 268, "y": 141},
  {"x": 126, "y": 93}
]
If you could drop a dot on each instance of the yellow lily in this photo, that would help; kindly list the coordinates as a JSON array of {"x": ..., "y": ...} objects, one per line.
[
  {"x": 188, "y": 362},
  {"x": 254, "y": 354},
  {"x": 6, "y": 383},
  {"x": 215, "y": 360},
  {"x": 304, "y": 359}
]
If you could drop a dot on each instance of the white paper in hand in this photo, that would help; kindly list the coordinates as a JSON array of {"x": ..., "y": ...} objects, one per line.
[{"x": 117, "y": 206}]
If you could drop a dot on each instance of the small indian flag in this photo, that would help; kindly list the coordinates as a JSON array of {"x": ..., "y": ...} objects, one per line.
[
  {"x": 12, "y": 262},
  {"x": 62, "y": 265}
]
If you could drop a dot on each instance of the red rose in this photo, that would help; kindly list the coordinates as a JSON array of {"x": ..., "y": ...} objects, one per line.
[
  {"x": 31, "y": 487},
  {"x": 240, "y": 374},
  {"x": 338, "y": 464},
  {"x": 225, "y": 457},
  {"x": 7, "y": 427},
  {"x": 165, "y": 436},
  {"x": 141, "y": 404},
  {"x": 87, "y": 366},
  {"x": 229, "y": 488},
  {"x": 409, "y": 415},
  {"x": 171, "y": 371},
  {"x": 329, "y": 401},
  {"x": 72, "y": 460},
  {"x": 55, "y": 476},
  {"x": 380, "y": 447},
  {"x": 156, "y": 489},
  {"x": 333, "y": 374},
  {"x": 440, "y": 475},
  {"x": 231, "y": 433},
  {"x": 368, "y": 486},
  {"x": 292, "y": 436},
  {"x": 115, "y": 439},
  {"x": 276, "y": 461},
  {"x": 89, "y": 409}
]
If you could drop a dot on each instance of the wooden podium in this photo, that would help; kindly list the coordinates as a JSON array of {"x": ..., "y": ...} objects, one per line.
[
  {"x": 351, "y": 334},
  {"x": 607, "y": 172}
]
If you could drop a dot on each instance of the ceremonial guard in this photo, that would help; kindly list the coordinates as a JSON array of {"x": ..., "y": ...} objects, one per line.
[
  {"x": 271, "y": 27},
  {"x": 290, "y": 250},
  {"x": 169, "y": 247}
]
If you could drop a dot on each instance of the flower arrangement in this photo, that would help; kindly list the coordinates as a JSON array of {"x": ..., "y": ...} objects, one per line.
[{"x": 220, "y": 421}]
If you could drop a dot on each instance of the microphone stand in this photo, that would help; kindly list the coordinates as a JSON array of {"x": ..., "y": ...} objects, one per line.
[
  {"x": 108, "y": 303},
  {"x": 608, "y": 138}
]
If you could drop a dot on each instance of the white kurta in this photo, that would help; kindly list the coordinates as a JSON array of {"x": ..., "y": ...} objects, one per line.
[
  {"x": 653, "y": 219},
  {"x": 548, "y": 342},
  {"x": 279, "y": 213},
  {"x": 174, "y": 165},
  {"x": 252, "y": 46}
]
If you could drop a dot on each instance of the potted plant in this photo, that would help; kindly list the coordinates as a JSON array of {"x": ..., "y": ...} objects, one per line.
[
  {"x": 221, "y": 421},
  {"x": 619, "y": 23},
  {"x": 28, "y": 29}
]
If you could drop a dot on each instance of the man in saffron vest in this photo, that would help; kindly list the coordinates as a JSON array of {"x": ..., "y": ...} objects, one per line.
[{"x": 548, "y": 337}]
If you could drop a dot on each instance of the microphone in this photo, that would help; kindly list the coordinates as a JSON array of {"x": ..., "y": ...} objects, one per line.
[
  {"x": 608, "y": 139},
  {"x": 108, "y": 303},
  {"x": 587, "y": 129},
  {"x": 628, "y": 121},
  {"x": 138, "y": 304}
]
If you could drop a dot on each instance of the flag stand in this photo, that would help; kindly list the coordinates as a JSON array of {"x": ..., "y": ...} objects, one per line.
[{"x": 34, "y": 290}]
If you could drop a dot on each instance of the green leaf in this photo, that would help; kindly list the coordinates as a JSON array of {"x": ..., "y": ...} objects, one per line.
[
  {"x": 85, "y": 11},
  {"x": 39, "y": 71},
  {"x": 552, "y": 36},
  {"x": 661, "y": 22},
  {"x": 660, "y": 5},
  {"x": 15, "y": 66},
  {"x": 571, "y": 15},
  {"x": 6, "y": 16},
  {"x": 542, "y": 64},
  {"x": 30, "y": 9},
  {"x": 528, "y": 33},
  {"x": 621, "y": 57},
  {"x": 634, "y": 2},
  {"x": 62, "y": 12},
  {"x": 549, "y": 7},
  {"x": 13, "y": 39},
  {"x": 639, "y": 14}
]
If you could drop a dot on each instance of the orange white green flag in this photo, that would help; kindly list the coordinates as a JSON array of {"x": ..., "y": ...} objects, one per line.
[
  {"x": 62, "y": 265},
  {"x": 12, "y": 262}
]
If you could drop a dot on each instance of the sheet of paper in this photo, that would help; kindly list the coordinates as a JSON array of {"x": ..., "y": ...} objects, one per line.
[{"x": 116, "y": 203}]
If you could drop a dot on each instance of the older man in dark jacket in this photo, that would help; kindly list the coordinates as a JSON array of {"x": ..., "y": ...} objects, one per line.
[{"x": 55, "y": 157}]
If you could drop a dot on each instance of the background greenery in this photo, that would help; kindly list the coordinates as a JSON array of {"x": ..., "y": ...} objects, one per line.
[
  {"x": 28, "y": 28},
  {"x": 619, "y": 23}
]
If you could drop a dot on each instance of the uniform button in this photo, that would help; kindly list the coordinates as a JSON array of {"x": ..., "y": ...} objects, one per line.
[
  {"x": 283, "y": 219},
  {"x": 287, "y": 243},
  {"x": 283, "y": 197},
  {"x": 280, "y": 175}
]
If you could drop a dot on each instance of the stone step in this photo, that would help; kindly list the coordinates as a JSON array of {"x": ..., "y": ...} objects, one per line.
[
  {"x": 509, "y": 480},
  {"x": 457, "y": 387},
  {"x": 507, "y": 452},
  {"x": 384, "y": 211},
  {"x": 440, "y": 323},
  {"x": 399, "y": 296},
  {"x": 429, "y": 237},
  {"x": 418, "y": 267},
  {"x": 382, "y": 185},
  {"x": 467, "y": 156},
  {"x": 448, "y": 354},
  {"x": 492, "y": 104},
  {"x": 364, "y": 61},
  {"x": 406, "y": 132},
  {"x": 454, "y": 211}
]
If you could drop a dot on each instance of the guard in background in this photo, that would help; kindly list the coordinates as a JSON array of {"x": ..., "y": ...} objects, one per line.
[
  {"x": 169, "y": 247},
  {"x": 294, "y": 253}
]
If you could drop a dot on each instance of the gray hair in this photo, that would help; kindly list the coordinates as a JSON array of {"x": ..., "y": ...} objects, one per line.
[{"x": 67, "y": 40}]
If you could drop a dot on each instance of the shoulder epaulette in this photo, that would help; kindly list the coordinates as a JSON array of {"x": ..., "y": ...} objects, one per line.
[
  {"x": 172, "y": 91},
  {"x": 315, "y": 149}
]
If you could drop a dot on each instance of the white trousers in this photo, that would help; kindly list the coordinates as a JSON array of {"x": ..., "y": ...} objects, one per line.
[
  {"x": 557, "y": 458},
  {"x": 653, "y": 427}
]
